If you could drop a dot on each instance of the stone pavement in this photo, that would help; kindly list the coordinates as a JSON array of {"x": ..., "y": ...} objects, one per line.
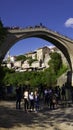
[{"x": 45, "y": 119}]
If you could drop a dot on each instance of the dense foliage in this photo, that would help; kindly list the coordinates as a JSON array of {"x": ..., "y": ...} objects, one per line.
[
  {"x": 55, "y": 62},
  {"x": 21, "y": 57},
  {"x": 33, "y": 79}
]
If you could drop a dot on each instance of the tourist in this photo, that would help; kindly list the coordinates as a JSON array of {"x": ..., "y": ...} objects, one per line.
[
  {"x": 18, "y": 97},
  {"x": 36, "y": 100},
  {"x": 31, "y": 100},
  {"x": 26, "y": 100}
]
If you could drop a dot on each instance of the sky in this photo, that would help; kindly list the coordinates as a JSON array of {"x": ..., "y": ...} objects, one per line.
[{"x": 54, "y": 14}]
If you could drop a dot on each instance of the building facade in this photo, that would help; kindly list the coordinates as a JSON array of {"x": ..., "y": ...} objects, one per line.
[{"x": 40, "y": 58}]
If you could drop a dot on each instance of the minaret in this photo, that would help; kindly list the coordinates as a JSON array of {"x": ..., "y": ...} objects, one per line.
[{"x": 8, "y": 56}]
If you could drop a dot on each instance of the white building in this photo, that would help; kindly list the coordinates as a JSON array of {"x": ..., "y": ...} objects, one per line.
[{"x": 25, "y": 64}]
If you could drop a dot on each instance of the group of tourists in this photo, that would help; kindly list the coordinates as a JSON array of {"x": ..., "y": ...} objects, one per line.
[
  {"x": 34, "y": 100},
  {"x": 31, "y": 99},
  {"x": 51, "y": 97}
]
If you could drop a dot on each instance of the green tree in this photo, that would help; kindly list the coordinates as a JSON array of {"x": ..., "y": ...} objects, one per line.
[
  {"x": 49, "y": 77},
  {"x": 55, "y": 62},
  {"x": 30, "y": 60},
  {"x": 21, "y": 57}
]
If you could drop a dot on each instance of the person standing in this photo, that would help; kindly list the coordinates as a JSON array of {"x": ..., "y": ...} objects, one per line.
[
  {"x": 36, "y": 100},
  {"x": 18, "y": 97},
  {"x": 26, "y": 100},
  {"x": 31, "y": 100}
]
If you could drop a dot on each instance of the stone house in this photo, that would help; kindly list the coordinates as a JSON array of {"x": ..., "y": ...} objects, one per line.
[{"x": 42, "y": 56}]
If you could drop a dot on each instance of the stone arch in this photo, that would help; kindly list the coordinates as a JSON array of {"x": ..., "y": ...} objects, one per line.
[{"x": 61, "y": 42}]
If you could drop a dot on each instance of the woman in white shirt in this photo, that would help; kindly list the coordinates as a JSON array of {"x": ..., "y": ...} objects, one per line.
[{"x": 26, "y": 100}]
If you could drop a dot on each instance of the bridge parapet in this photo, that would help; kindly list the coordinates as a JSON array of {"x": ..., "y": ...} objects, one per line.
[{"x": 36, "y": 29}]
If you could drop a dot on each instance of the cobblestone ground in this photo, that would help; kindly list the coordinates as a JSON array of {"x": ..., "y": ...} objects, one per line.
[{"x": 45, "y": 119}]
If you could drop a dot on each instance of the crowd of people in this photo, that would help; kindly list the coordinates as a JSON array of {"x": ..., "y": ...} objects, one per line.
[{"x": 33, "y": 100}]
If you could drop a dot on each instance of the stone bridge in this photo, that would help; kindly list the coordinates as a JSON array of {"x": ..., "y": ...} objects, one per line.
[{"x": 16, "y": 34}]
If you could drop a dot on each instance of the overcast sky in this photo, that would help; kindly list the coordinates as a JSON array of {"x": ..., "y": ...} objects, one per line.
[{"x": 54, "y": 14}]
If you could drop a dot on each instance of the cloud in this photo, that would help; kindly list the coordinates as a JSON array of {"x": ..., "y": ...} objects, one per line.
[{"x": 69, "y": 22}]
